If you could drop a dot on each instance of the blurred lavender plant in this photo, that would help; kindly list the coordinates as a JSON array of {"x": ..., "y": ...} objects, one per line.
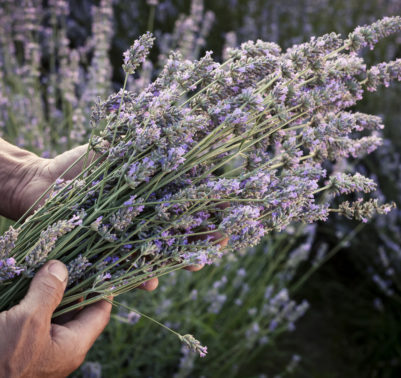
[
  {"x": 287, "y": 22},
  {"x": 47, "y": 88},
  {"x": 189, "y": 35}
]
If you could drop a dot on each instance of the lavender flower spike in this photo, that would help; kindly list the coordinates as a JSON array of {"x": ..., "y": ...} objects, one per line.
[
  {"x": 363, "y": 211},
  {"x": 48, "y": 238},
  {"x": 193, "y": 344},
  {"x": 7, "y": 242},
  {"x": 8, "y": 269},
  {"x": 77, "y": 268},
  {"x": 137, "y": 53},
  {"x": 369, "y": 35}
]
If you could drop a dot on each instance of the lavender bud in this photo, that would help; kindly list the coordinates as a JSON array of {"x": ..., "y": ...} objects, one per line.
[
  {"x": 383, "y": 74},
  {"x": 369, "y": 35},
  {"x": 9, "y": 269},
  {"x": 47, "y": 240},
  {"x": 342, "y": 183}
]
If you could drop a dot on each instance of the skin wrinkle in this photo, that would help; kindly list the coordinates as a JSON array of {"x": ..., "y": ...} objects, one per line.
[{"x": 24, "y": 348}]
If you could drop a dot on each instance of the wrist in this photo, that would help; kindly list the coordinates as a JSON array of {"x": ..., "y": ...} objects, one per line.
[{"x": 17, "y": 168}]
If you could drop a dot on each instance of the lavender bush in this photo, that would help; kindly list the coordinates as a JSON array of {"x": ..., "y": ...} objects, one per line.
[
  {"x": 236, "y": 148},
  {"x": 47, "y": 87}
]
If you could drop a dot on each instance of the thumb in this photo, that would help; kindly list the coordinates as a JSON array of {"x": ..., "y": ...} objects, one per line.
[
  {"x": 61, "y": 162},
  {"x": 46, "y": 289}
]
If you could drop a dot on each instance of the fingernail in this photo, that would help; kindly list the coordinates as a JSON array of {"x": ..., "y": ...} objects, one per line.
[{"x": 58, "y": 270}]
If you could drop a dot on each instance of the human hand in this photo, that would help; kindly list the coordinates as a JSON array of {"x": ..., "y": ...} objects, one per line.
[
  {"x": 37, "y": 175},
  {"x": 31, "y": 345}
]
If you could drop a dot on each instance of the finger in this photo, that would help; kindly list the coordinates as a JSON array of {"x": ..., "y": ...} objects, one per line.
[
  {"x": 149, "y": 285},
  {"x": 64, "y": 318},
  {"x": 46, "y": 289},
  {"x": 89, "y": 323},
  {"x": 214, "y": 237},
  {"x": 63, "y": 161},
  {"x": 194, "y": 268},
  {"x": 223, "y": 206},
  {"x": 218, "y": 236},
  {"x": 223, "y": 243}
]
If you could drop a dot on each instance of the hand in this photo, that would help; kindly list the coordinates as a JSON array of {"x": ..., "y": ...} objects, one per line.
[
  {"x": 38, "y": 174},
  {"x": 31, "y": 345}
]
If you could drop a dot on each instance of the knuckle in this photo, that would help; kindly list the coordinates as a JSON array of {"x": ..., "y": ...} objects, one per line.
[
  {"x": 51, "y": 290},
  {"x": 32, "y": 320},
  {"x": 77, "y": 362},
  {"x": 72, "y": 347},
  {"x": 107, "y": 316},
  {"x": 78, "y": 359}
]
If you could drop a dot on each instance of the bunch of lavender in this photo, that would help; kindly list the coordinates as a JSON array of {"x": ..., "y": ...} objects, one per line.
[{"x": 207, "y": 150}]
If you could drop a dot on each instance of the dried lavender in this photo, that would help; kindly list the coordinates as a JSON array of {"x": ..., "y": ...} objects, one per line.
[
  {"x": 137, "y": 53},
  {"x": 208, "y": 151},
  {"x": 194, "y": 345},
  {"x": 7, "y": 242},
  {"x": 383, "y": 74},
  {"x": 369, "y": 35},
  {"x": 37, "y": 255},
  {"x": 77, "y": 269},
  {"x": 9, "y": 269},
  {"x": 363, "y": 211}
]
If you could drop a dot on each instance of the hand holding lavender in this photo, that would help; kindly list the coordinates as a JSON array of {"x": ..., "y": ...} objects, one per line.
[
  {"x": 255, "y": 132},
  {"x": 25, "y": 176},
  {"x": 32, "y": 345}
]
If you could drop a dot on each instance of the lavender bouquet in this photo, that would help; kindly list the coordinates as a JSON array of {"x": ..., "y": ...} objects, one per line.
[{"x": 237, "y": 149}]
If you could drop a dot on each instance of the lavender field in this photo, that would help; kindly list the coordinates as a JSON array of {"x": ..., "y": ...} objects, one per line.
[{"x": 257, "y": 140}]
